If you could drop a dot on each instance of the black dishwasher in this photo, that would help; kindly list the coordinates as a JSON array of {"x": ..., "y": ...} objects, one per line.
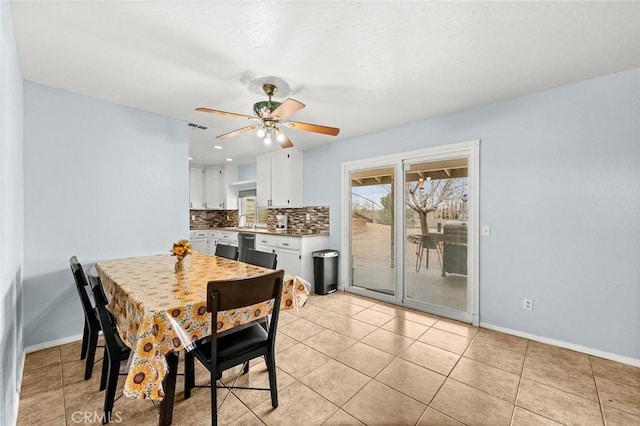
[{"x": 245, "y": 242}]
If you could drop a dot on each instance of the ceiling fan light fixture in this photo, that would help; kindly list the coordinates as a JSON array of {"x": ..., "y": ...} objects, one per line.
[
  {"x": 264, "y": 109},
  {"x": 281, "y": 137},
  {"x": 261, "y": 132}
]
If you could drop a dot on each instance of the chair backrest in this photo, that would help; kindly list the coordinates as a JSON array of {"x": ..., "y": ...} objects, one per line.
[
  {"x": 107, "y": 321},
  {"x": 223, "y": 295},
  {"x": 224, "y": 250},
  {"x": 261, "y": 258},
  {"x": 81, "y": 285}
]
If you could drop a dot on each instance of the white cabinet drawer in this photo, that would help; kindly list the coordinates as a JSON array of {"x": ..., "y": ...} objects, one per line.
[
  {"x": 228, "y": 237},
  {"x": 288, "y": 243},
  {"x": 197, "y": 234},
  {"x": 265, "y": 240}
]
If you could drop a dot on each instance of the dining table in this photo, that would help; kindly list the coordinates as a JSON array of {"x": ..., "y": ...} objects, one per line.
[{"x": 160, "y": 311}]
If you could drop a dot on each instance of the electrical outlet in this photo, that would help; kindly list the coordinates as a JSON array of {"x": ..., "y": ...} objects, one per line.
[
  {"x": 308, "y": 217},
  {"x": 485, "y": 231},
  {"x": 527, "y": 304},
  {"x": 193, "y": 217}
]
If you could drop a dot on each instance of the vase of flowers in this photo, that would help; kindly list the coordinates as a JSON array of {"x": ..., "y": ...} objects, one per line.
[{"x": 180, "y": 250}]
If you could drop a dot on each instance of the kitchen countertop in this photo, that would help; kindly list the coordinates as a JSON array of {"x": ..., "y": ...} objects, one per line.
[{"x": 261, "y": 231}]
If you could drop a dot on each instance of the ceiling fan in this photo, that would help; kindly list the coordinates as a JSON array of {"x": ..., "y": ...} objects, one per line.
[{"x": 271, "y": 114}]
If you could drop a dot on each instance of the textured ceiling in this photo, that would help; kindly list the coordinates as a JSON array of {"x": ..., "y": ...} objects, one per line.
[{"x": 359, "y": 66}]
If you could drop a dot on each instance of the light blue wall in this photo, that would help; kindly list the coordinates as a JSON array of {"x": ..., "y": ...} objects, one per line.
[
  {"x": 247, "y": 172},
  {"x": 101, "y": 181},
  {"x": 11, "y": 220},
  {"x": 559, "y": 177}
]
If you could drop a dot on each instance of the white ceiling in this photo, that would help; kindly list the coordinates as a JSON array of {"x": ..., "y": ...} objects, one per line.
[{"x": 359, "y": 66}]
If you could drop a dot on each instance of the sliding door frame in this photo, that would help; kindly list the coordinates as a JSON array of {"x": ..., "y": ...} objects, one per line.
[{"x": 469, "y": 149}]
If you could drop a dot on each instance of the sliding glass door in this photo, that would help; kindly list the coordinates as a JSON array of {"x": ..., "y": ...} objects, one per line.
[
  {"x": 372, "y": 229},
  {"x": 410, "y": 224},
  {"x": 436, "y": 229}
]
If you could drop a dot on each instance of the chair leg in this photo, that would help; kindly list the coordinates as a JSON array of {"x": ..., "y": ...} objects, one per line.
[
  {"x": 273, "y": 385},
  {"x": 91, "y": 353},
  {"x": 214, "y": 399},
  {"x": 189, "y": 374},
  {"x": 85, "y": 341},
  {"x": 110, "y": 394},
  {"x": 105, "y": 371},
  {"x": 245, "y": 369}
]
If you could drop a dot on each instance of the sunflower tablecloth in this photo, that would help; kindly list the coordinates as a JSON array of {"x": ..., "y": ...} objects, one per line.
[{"x": 159, "y": 310}]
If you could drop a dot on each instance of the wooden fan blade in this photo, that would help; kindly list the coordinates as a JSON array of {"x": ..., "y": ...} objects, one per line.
[
  {"x": 236, "y": 132},
  {"x": 286, "y": 109},
  {"x": 308, "y": 127},
  {"x": 286, "y": 143},
  {"x": 228, "y": 114}
]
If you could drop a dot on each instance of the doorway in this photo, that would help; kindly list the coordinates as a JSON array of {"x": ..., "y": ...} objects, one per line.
[{"x": 410, "y": 224}]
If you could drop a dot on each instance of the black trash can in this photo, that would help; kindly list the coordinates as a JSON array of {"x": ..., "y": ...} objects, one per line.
[{"x": 325, "y": 271}]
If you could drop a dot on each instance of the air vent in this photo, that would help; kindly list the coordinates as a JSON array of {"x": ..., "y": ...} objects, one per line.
[{"x": 195, "y": 126}]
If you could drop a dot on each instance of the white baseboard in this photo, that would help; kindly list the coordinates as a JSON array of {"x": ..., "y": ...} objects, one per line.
[
  {"x": 52, "y": 343},
  {"x": 578, "y": 348}
]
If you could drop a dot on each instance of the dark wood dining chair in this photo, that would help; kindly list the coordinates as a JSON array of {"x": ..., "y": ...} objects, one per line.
[
  {"x": 115, "y": 350},
  {"x": 227, "y": 350},
  {"x": 224, "y": 250},
  {"x": 261, "y": 258},
  {"x": 91, "y": 324}
]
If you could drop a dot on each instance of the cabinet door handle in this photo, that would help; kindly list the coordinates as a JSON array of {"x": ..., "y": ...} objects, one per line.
[
  {"x": 191, "y": 204},
  {"x": 285, "y": 244}
]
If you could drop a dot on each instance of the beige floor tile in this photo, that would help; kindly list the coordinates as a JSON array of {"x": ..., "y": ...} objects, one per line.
[
  {"x": 47, "y": 358},
  {"x": 619, "y": 395},
  {"x": 445, "y": 340},
  {"x": 44, "y": 379},
  {"x": 495, "y": 356},
  {"x": 42, "y": 407},
  {"x": 329, "y": 342},
  {"x": 386, "y": 308},
  {"x": 336, "y": 382},
  {"x": 523, "y": 417},
  {"x": 300, "y": 360},
  {"x": 359, "y": 300},
  {"x": 433, "y": 417},
  {"x": 308, "y": 310},
  {"x": 417, "y": 382},
  {"x": 301, "y": 329},
  {"x": 615, "y": 371},
  {"x": 340, "y": 418},
  {"x": 353, "y": 328},
  {"x": 559, "y": 377},
  {"x": 614, "y": 417},
  {"x": 486, "y": 378},
  {"x": 284, "y": 342},
  {"x": 462, "y": 329},
  {"x": 343, "y": 307},
  {"x": 73, "y": 371},
  {"x": 58, "y": 421},
  {"x": 258, "y": 377},
  {"x": 409, "y": 329},
  {"x": 197, "y": 409},
  {"x": 365, "y": 358},
  {"x": 285, "y": 318},
  {"x": 479, "y": 408},
  {"x": 71, "y": 351},
  {"x": 430, "y": 357},
  {"x": 372, "y": 317},
  {"x": 248, "y": 419},
  {"x": 298, "y": 405},
  {"x": 388, "y": 341},
  {"x": 327, "y": 318},
  {"x": 378, "y": 404},
  {"x": 503, "y": 340},
  {"x": 558, "y": 405},
  {"x": 561, "y": 356},
  {"x": 419, "y": 317}
]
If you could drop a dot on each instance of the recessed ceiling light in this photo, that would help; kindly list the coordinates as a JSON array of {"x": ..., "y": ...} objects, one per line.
[
  {"x": 190, "y": 158},
  {"x": 229, "y": 159},
  {"x": 217, "y": 147}
]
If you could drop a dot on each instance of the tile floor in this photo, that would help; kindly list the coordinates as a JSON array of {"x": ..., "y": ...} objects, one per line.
[{"x": 347, "y": 360}]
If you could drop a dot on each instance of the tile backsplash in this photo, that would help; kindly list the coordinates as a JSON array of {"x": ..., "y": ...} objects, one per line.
[
  {"x": 205, "y": 219},
  {"x": 297, "y": 222}
]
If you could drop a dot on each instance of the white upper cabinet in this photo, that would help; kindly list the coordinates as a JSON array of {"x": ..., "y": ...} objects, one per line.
[
  {"x": 213, "y": 187},
  {"x": 210, "y": 187},
  {"x": 279, "y": 178},
  {"x": 196, "y": 187}
]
